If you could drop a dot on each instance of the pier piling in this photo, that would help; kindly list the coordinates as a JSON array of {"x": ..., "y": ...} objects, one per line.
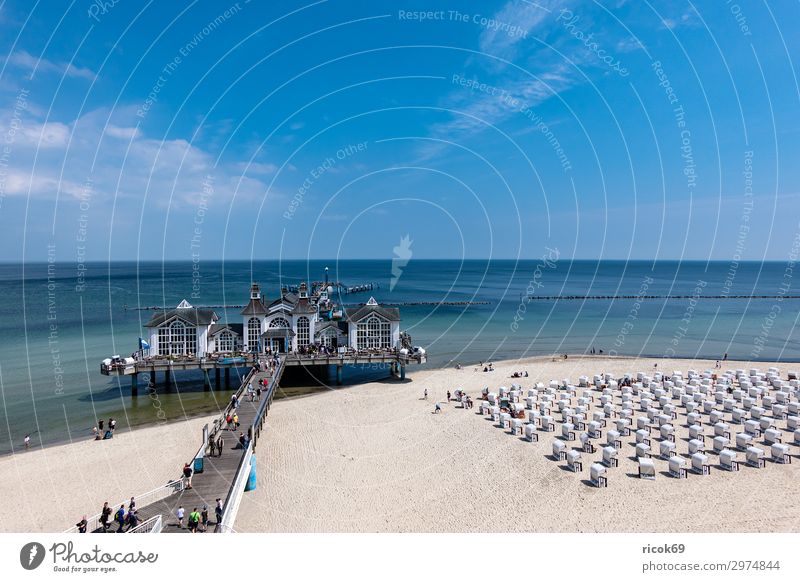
[
  {"x": 339, "y": 375},
  {"x": 227, "y": 378},
  {"x": 134, "y": 384},
  {"x": 206, "y": 381},
  {"x": 167, "y": 380},
  {"x": 217, "y": 384}
]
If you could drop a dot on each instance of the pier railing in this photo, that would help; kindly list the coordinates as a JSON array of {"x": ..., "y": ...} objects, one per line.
[
  {"x": 141, "y": 500},
  {"x": 153, "y": 525},
  {"x": 234, "y": 498}
]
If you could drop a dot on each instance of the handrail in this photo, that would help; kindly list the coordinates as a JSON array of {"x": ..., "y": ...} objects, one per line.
[
  {"x": 152, "y": 525},
  {"x": 156, "y": 494}
]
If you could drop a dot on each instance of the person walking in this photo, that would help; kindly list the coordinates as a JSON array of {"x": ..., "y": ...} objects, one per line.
[
  {"x": 133, "y": 519},
  {"x": 426, "y": 394},
  {"x": 220, "y": 443},
  {"x": 120, "y": 517},
  {"x": 132, "y": 505},
  {"x": 179, "y": 514},
  {"x": 194, "y": 520},
  {"x": 100, "y": 424},
  {"x": 81, "y": 525},
  {"x": 218, "y": 511},
  {"x": 105, "y": 515},
  {"x": 204, "y": 518},
  {"x": 187, "y": 473},
  {"x": 27, "y": 441}
]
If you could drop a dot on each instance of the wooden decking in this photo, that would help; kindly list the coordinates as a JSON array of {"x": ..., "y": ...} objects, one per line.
[{"x": 218, "y": 473}]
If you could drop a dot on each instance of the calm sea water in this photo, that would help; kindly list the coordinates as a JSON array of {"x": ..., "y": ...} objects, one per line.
[{"x": 59, "y": 326}]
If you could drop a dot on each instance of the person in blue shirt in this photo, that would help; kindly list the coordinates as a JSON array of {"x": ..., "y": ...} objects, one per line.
[{"x": 120, "y": 517}]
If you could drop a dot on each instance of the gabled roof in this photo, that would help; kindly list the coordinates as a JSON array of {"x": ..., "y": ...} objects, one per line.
[
  {"x": 191, "y": 315},
  {"x": 236, "y": 328},
  {"x": 255, "y": 307},
  {"x": 304, "y": 306},
  {"x": 355, "y": 314},
  {"x": 328, "y": 325}
]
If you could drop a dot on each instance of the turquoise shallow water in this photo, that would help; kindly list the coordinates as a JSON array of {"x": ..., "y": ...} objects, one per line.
[{"x": 61, "y": 323}]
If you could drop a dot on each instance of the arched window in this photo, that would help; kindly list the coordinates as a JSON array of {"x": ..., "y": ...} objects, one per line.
[
  {"x": 253, "y": 333},
  {"x": 303, "y": 332},
  {"x": 225, "y": 342},
  {"x": 374, "y": 332},
  {"x": 328, "y": 337},
  {"x": 279, "y": 322},
  {"x": 177, "y": 339}
]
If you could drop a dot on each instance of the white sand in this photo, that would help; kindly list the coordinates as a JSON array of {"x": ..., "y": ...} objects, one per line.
[
  {"x": 374, "y": 458},
  {"x": 48, "y": 490}
]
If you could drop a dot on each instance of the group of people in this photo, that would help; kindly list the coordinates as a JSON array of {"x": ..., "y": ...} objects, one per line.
[
  {"x": 461, "y": 396},
  {"x": 198, "y": 520},
  {"x": 523, "y": 374},
  {"x": 99, "y": 433},
  {"x": 125, "y": 520}
]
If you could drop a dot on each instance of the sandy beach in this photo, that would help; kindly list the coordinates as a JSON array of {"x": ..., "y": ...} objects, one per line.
[
  {"x": 48, "y": 490},
  {"x": 373, "y": 458}
]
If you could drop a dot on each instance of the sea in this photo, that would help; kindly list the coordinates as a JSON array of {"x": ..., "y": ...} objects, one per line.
[{"x": 61, "y": 320}]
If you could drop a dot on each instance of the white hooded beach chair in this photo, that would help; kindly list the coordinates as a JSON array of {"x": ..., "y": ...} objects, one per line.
[
  {"x": 513, "y": 396},
  {"x": 677, "y": 467},
  {"x": 533, "y": 416},
  {"x": 608, "y": 410},
  {"x": 722, "y": 429},
  {"x": 780, "y": 453},
  {"x": 623, "y": 426},
  {"x": 720, "y": 443},
  {"x": 505, "y": 420},
  {"x": 643, "y": 436},
  {"x": 667, "y": 432},
  {"x": 642, "y": 451},
  {"x": 772, "y": 435},
  {"x": 793, "y": 422},
  {"x": 738, "y": 415},
  {"x": 485, "y": 408},
  {"x": 700, "y": 464},
  {"x": 599, "y": 417},
  {"x": 559, "y": 450},
  {"x": 530, "y": 433},
  {"x": 755, "y": 457},
  {"x": 743, "y": 440},
  {"x": 586, "y": 442},
  {"x": 727, "y": 460},
  {"x": 574, "y": 461},
  {"x": 491, "y": 397},
  {"x": 756, "y": 412},
  {"x": 647, "y": 468},
  {"x": 517, "y": 427},
  {"x": 613, "y": 440},
  {"x": 715, "y": 417},
  {"x": 547, "y": 424},
  {"x": 597, "y": 475},
  {"x": 696, "y": 446},
  {"x": 530, "y": 402},
  {"x": 568, "y": 431},
  {"x": 696, "y": 432},
  {"x": 642, "y": 422},
  {"x": 753, "y": 428},
  {"x": 692, "y": 418},
  {"x": 666, "y": 449},
  {"x": 610, "y": 458},
  {"x": 708, "y": 406},
  {"x": 765, "y": 423},
  {"x": 496, "y": 413},
  {"x": 595, "y": 430},
  {"x": 728, "y": 404}
]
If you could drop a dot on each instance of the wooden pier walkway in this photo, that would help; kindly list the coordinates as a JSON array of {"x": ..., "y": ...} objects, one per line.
[{"x": 220, "y": 471}]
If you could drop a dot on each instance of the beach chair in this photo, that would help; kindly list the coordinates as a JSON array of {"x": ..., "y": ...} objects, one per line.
[
  {"x": 693, "y": 418},
  {"x": 568, "y": 431},
  {"x": 708, "y": 406},
  {"x": 748, "y": 402},
  {"x": 755, "y": 457},
  {"x": 647, "y": 469},
  {"x": 491, "y": 397},
  {"x": 530, "y": 433},
  {"x": 756, "y": 412},
  {"x": 700, "y": 464},
  {"x": 753, "y": 428},
  {"x": 610, "y": 458},
  {"x": 609, "y": 411},
  {"x": 722, "y": 429},
  {"x": 623, "y": 426},
  {"x": 586, "y": 443},
  {"x": 666, "y": 449},
  {"x": 599, "y": 418},
  {"x": 794, "y": 408},
  {"x": 738, "y": 415},
  {"x": 667, "y": 432},
  {"x": 793, "y": 422},
  {"x": 612, "y": 439},
  {"x": 495, "y": 413},
  {"x": 677, "y": 467},
  {"x": 780, "y": 453},
  {"x": 727, "y": 460},
  {"x": 696, "y": 446},
  {"x": 643, "y": 423},
  {"x": 517, "y": 427},
  {"x": 595, "y": 430},
  {"x": 767, "y": 401},
  {"x": 505, "y": 420},
  {"x": 547, "y": 424},
  {"x": 696, "y": 432},
  {"x": 579, "y": 421},
  {"x": 533, "y": 416},
  {"x": 597, "y": 475},
  {"x": 559, "y": 450},
  {"x": 797, "y": 436},
  {"x": 743, "y": 440},
  {"x": 642, "y": 451},
  {"x": 765, "y": 423},
  {"x": 574, "y": 461},
  {"x": 643, "y": 436},
  {"x": 715, "y": 417},
  {"x": 720, "y": 443},
  {"x": 530, "y": 402},
  {"x": 728, "y": 404},
  {"x": 772, "y": 436},
  {"x": 485, "y": 408}
]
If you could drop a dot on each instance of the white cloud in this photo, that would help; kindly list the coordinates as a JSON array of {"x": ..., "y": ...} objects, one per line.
[
  {"x": 25, "y": 60},
  {"x": 503, "y": 40}
]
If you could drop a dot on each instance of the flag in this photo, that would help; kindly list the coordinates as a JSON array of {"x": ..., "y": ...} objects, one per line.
[{"x": 143, "y": 345}]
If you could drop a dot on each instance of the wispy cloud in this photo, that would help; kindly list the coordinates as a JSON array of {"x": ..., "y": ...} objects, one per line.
[
  {"x": 526, "y": 16},
  {"x": 25, "y": 60}
]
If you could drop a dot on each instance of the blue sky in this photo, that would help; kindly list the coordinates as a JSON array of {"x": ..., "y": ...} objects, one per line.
[{"x": 613, "y": 129}]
